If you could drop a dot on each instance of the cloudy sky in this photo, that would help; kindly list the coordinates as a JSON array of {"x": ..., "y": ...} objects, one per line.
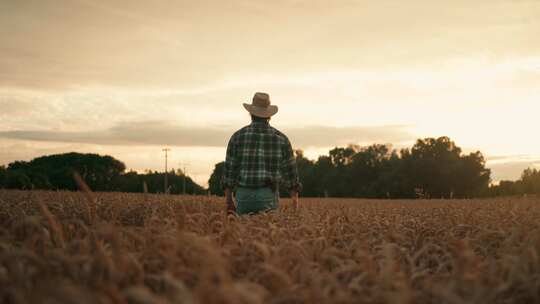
[{"x": 127, "y": 78}]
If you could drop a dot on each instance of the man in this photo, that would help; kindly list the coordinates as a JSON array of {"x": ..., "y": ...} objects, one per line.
[{"x": 259, "y": 158}]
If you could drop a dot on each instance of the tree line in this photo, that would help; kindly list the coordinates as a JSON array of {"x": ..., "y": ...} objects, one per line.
[
  {"x": 431, "y": 168},
  {"x": 529, "y": 183},
  {"x": 101, "y": 173}
]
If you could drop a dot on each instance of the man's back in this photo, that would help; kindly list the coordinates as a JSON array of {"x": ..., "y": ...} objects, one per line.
[{"x": 259, "y": 155}]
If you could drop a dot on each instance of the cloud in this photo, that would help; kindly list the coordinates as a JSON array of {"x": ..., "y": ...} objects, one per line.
[
  {"x": 323, "y": 136},
  {"x": 510, "y": 167},
  {"x": 510, "y": 170},
  {"x": 171, "y": 44},
  {"x": 167, "y": 134},
  {"x": 504, "y": 159},
  {"x": 14, "y": 107}
]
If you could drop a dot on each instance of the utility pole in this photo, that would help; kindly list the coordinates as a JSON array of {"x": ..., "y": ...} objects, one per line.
[{"x": 166, "y": 150}]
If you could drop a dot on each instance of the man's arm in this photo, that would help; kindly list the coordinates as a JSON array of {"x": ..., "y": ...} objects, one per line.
[
  {"x": 229, "y": 179},
  {"x": 294, "y": 196},
  {"x": 231, "y": 208},
  {"x": 289, "y": 171}
]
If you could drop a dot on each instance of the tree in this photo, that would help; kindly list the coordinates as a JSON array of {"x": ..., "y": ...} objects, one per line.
[
  {"x": 366, "y": 169},
  {"x": 529, "y": 183},
  {"x": 56, "y": 171},
  {"x": 307, "y": 175},
  {"x": 505, "y": 188},
  {"x": 342, "y": 156},
  {"x": 434, "y": 163},
  {"x": 530, "y": 179},
  {"x": 128, "y": 182},
  {"x": 433, "y": 166},
  {"x": 472, "y": 177},
  {"x": 155, "y": 182},
  {"x": 214, "y": 183},
  {"x": 18, "y": 180},
  {"x": 101, "y": 173},
  {"x": 325, "y": 173},
  {"x": 3, "y": 177}
]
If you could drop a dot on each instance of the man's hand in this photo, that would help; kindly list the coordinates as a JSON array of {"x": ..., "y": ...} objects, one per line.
[
  {"x": 231, "y": 208},
  {"x": 294, "y": 196}
]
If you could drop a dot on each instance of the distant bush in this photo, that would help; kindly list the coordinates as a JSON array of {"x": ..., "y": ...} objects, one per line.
[{"x": 101, "y": 173}]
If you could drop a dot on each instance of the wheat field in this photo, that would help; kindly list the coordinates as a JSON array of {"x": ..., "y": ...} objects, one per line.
[{"x": 64, "y": 247}]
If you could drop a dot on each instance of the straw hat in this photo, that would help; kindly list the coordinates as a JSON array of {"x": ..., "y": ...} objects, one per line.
[{"x": 260, "y": 106}]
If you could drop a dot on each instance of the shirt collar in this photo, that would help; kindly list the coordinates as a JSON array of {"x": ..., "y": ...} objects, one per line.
[{"x": 260, "y": 123}]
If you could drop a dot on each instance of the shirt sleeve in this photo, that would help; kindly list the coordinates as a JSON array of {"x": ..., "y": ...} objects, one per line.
[
  {"x": 230, "y": 173},
  {"x": 289, "y": 170}
]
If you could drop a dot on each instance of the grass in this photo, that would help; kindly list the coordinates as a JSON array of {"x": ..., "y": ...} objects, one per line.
[{"x": 63, "y": 247}]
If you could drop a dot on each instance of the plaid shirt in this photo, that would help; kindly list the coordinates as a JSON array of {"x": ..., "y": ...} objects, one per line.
[{"x": 260, "y": 156}]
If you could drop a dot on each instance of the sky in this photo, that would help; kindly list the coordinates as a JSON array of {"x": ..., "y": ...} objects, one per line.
[{"x": 128, "y": 78}]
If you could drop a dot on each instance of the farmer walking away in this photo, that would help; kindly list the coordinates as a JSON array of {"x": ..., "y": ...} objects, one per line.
[{"x": 259, "y": 159}]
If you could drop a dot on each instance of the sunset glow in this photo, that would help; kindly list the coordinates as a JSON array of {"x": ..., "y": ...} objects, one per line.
[{"x": 126, "y": 79}]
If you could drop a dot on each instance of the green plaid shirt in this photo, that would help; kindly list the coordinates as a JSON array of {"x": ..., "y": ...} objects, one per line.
[{"x": 260, "y": 156}]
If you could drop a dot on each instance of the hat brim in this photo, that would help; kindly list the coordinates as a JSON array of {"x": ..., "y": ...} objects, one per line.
[{"x": 261, "y": 112}]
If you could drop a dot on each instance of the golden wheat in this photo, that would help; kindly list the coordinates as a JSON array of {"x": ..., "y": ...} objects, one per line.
[{"x": 64, "y": 247}]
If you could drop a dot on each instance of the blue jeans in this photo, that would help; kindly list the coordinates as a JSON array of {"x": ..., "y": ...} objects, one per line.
[{"x": 255, "y": 200}]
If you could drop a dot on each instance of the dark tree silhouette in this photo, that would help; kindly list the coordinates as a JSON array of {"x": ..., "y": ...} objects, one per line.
[
  {"x": 434, "y": 167},
  {"x": 214, "y": 183},
  {"x": 529, "y": 183},
  {"x": 3, "y": 177},
  {"x": 101, "y": 173},
  {"x": 437, "y": 167},
  {"x": 56, "y": 171}
]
